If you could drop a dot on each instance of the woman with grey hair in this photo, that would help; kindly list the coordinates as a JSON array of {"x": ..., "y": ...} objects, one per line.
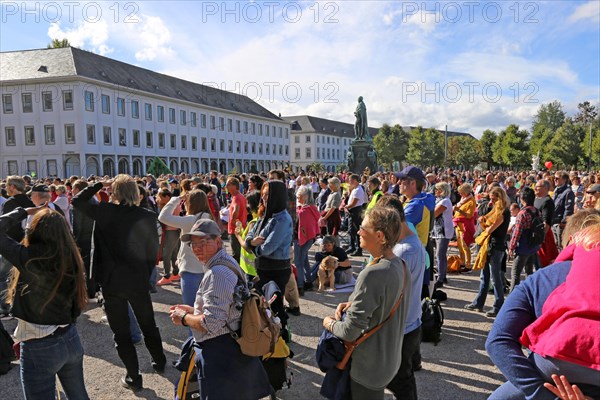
[
  {"x": 331, "y": 215},
  {"x": 443, "y": 229}
]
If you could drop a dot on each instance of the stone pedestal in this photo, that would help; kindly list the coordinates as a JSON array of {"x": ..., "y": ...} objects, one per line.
[{"x": 360, "y": 156}]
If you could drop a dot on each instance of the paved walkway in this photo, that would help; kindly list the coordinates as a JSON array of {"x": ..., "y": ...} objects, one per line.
[{"x": 457, "y": 368}]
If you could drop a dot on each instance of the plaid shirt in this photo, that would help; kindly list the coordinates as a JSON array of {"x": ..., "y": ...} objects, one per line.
[{"x": 523, "y": 222}]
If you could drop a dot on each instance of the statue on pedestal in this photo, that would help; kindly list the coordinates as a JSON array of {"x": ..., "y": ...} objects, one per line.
[{"x": 361, "y": 127}]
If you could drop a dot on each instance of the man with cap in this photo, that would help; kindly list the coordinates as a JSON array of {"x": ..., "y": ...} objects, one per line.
[
  {"x": 173, "y": 183},
  {"x": 215, "y": 315},
  {"x": 40, "y": 194},
  {"x": 592, "y": 194},
  {"x": 15, "y": 188},
  {"x": 419, "y": 205}
]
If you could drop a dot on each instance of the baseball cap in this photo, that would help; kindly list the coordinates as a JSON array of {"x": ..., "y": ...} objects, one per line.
[
  {"x": 593, "y": 188},
  {"x": 411, "y": 172},
  {"x": 202, "y": 228},
  {"x": 173, "y": 180},
  {"x": 40, "y": 188}
]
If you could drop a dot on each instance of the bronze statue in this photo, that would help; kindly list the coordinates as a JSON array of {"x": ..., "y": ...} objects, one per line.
[{"x": 361, "y": 128}]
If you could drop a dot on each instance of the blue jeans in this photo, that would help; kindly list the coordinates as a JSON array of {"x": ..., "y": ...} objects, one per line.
[
  {"x": 441, "y": 252},
  {"x": 493, "y": 267},
  {"x": 190, "y": 283},
  {"x": 153, "y": 277},
  {"x": 301, "y": 259},
  {"x": 136, "y": 333},
  {"x": 58, "y": 354}
]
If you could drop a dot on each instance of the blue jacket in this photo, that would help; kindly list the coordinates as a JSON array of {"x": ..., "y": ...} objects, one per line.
[
  {"x": 564, "y": 204},
  {"x": 278, "y": 235},
  {"x": 520, "y": 309},
  {"x": 419, "y": 212}
]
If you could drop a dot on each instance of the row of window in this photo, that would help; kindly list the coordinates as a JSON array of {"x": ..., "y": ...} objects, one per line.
[
  {"x": 107, "y": 139},
  {"x": 307, "y": 139},
  {"x": 49, "y": 135},
  {"x": 240, "y": 126},
  {"x": 330, "y": 153},
  {"x": 48, "y": 101},
  {"x": 32, "y": 166}
]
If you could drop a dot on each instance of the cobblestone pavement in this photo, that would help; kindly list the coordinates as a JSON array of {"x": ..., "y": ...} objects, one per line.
[{"x": 457, "y": 368}]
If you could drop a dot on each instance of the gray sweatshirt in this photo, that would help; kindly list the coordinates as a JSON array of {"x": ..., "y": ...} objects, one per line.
[{"x": 376, "y": 361}]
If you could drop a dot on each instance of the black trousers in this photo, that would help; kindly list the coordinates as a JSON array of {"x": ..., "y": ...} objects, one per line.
[
  {"x": 281, "y": 278},
  {"x": 115, "y": 306},
  {"x": 404, "y": 385},
  {"x": 236, "y": 247},
  {"x": 354, "y": 221}
]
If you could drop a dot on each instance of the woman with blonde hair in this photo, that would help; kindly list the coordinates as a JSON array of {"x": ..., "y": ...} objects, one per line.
[
  {"x": 127, "y": 242},
  {"x": 493, "y": 244},
  {"x": 48, "y": 293},
  {"x": 464, "y": 221},
  {"x": 380, "y": 286}
]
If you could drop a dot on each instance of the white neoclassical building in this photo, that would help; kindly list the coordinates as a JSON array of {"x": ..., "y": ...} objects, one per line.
[
  {"x": 315, "y": 139},
  {"x": 72, "y": 112}
]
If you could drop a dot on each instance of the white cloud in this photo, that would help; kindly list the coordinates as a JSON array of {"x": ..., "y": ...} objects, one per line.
[
  {"x": 588, "y": 11},
  {"x": 154, "y": 38},
  {"x": 92, "y": 35}
]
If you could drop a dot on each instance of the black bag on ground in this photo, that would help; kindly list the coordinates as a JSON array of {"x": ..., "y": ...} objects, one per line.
[
  {"x": 7, "y": 354},
  {"x": 432, "y": 320}
]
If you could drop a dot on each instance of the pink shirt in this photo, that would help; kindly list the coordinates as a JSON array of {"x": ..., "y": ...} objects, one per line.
[{"x": 569, "y": 327}]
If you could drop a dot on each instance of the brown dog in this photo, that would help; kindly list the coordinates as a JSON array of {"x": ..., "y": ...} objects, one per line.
[{"x": 327, "y": 273}]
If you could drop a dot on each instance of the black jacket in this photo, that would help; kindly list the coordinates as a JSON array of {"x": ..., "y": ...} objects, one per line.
[
  {"x": 19, "y": 200},
  {"x": 564, "y": 203},
  {"x": 37, "y": 279},
  {"x": 126, "y": 241}
]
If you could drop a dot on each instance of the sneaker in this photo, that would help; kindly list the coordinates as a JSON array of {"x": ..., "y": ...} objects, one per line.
[
  {"x": 5, "y": 316},
  {"x": 164, "y": 281},
  {"x": 294, "y": 311},
  {"x": 175, "y": 277},
  {"x": 132, "y": 384},
  {"x": 492, "y": 313},
  {"x": 473, "y": 307},
  {"x": 438, "y": 284},
  {"x": 153, "y": 290},
  {"x": 308, "y": 287},
  {"x": 301, "y": 291},
  {"x": 137, "y": 342}
]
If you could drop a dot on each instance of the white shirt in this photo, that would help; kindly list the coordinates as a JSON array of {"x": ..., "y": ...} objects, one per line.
[
  {"x": 359, "y": 194},
  {"x": 292, "y": 184}
]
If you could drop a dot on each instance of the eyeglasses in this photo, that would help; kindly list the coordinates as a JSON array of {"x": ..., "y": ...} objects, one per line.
[{"x": 200, "y": 243}]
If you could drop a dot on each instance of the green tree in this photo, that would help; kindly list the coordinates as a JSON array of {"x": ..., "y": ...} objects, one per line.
[
  {"x": 585, "y": 144},
  {"x": 586, "y": 116},
  {"x": 391, "y": 144},
  {"x": 497, "y": 148},
  {"x": 546, "y": 122},
  {"x": 416, "y": 147},
  {"x": 434, "y": 146},
  {"x": 453, "y": 150},
  {"x": 565, "y": 147},
  {"x": 512, "y": 147},
  {"x": 315, "y": 166},
  {"x": 59, "y": 44},
  {"x": 470, "y": 151},
  {"x": 487, "y": 142}
]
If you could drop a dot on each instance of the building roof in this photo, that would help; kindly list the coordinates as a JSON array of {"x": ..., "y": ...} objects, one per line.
[
  {"x": 310, "y": 124},
  {"x": 73, "y": 62}
]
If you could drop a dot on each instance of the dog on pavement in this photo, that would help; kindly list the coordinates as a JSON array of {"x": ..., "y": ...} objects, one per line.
[{"x": 327, "y": 273}]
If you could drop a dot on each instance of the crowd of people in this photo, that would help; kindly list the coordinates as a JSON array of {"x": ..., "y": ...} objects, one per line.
[{"x": 78, "y": 240}]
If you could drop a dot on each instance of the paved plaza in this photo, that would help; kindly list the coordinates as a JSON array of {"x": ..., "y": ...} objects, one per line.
[{"x": 457, "y": 368}]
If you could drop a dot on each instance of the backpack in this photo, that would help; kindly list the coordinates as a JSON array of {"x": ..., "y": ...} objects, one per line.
[
  {"x": 537, "y": 234},
  {"x": 7, "y": 354},
  {"x": 187, "y": 386},
  {"x": 432, "y": 320},
  {"x": 259, "y": 328}
]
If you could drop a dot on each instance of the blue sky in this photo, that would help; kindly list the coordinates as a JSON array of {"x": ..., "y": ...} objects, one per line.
[{"x": 471, "y": 65}]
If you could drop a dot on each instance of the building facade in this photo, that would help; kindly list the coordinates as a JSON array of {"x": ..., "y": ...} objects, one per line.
[
  {"x": 319, "y": 140},
  {"x": 71, "y": 112}
]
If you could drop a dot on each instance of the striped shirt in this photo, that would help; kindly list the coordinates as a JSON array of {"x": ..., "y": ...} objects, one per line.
[{"x": 215, "y": 301}]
